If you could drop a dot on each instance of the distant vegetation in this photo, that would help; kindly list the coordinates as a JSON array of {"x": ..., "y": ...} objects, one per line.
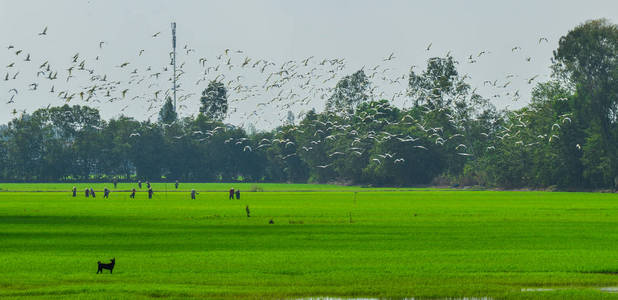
[{"x": 566, "y": 137}]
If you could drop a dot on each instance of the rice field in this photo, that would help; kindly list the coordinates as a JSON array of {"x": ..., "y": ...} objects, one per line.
[{"x": 326, "y": 241}]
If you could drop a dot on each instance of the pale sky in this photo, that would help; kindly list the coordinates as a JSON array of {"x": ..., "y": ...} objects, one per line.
[{"x": 362, "y": 32}]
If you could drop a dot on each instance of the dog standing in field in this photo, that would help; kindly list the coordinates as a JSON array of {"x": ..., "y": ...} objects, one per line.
[{"x": 109, "y": 266}]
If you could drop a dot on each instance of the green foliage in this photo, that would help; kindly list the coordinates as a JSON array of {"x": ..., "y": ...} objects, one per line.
[
  {"x": 586, "y": 57},
  {"x": 566, "y": 137},
  {"x": 167, "y": 114},
  {"x": 350, "y": 91},
  {"x": 214, "y": 101}
]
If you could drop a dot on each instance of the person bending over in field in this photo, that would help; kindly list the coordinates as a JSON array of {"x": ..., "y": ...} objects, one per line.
[
  {"x": 87, "y": 193},
  {"x": 193, "y": 193},
  {"x": 231, "y": 194},
  {"x": 150, "y": 192},
  {"x": 248, "y": 211},
  {"x": 148, "y": 184},
  {"x": 105, "y": 193},
  {"x": 92, "y": 193},
  {"x": 132, "y": 196},
  {"x": 74, "y": 191}
]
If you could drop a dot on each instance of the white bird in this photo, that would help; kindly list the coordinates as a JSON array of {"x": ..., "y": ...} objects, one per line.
[
  {"x": 247, "y": 148},
  {"x": 392, "y": 56},
  {"x": 289, "y": 155},
  {"x": 335, "y": 153}
]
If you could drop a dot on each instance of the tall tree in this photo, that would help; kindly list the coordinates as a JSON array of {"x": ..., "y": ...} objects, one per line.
[
  {"x": 290, "y": 118},
  {"x": 587, "y": 57},
  {"x": 167, "y": 114},
  {"x": 444, "y": 101},
  {"x": 349, "y": 92},
  {"x": 214, "y": 101}
]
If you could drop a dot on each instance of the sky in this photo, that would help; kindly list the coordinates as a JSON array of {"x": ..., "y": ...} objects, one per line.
[{"x": 363, "y": 33}]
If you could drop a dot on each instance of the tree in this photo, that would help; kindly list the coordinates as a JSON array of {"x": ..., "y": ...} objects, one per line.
[
  {"x": 586, "y": 58},
  {"x": 290, "y": 118},
  {"x": 439, "y": 85},
  {"x": 214, "y": 101},
  {"x": 349, "y": 92},
  {"x": 445, "y": 102},
  {"x": 167, "y": 114},
  {"x": 148, "y": 151}
]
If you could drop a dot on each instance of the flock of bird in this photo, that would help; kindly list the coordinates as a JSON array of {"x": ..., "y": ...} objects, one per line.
[{"x": 290, "y": 86}]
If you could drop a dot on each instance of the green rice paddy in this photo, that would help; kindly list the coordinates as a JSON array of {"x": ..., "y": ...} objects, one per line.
[{"x": 326, "y": 241}]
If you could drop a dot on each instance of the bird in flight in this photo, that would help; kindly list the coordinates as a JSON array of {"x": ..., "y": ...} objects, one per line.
[
  {"x": 390, "y": 57},
  {"x": 44, "y": 32},
  {"x": 156, "y": 34}
]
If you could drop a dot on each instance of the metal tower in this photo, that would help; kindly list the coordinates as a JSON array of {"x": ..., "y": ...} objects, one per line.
[{"x": 174, "y": 61}]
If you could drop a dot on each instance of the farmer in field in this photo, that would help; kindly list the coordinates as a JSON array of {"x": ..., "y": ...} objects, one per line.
[
  {"x": 115, "y": 182},
  {"x": 193, "y": 193},
  {"x": 248, "y": 211},
  {"x": 105, "y": 192},
  {"x": 147, "y": 184},
  {"x": 139, "y": 184},
  {"x": 176, "y": 184},
  {"x": 237, "y": 194},
  {"x": 132, "y": 196},
  {"x": 150, "y": 192},
  {"x": 74, "y": 191},
  {"x": 231, "y": 194},
  {"x": 87, "y": 192},
  {"x": 92, "y": 193}
]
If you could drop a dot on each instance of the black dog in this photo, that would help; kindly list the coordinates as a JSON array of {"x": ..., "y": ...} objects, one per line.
[{"x": 109, "y": 266}]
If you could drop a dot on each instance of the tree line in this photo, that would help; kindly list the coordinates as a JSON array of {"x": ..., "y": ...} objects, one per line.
[{"x": 567, "y": 136}]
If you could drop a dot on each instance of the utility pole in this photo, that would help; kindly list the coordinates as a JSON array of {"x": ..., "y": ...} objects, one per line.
[{"x": 174, "y": 61}]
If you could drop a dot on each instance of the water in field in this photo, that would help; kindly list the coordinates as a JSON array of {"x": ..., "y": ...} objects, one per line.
[
  {"x": 613, "y": 289},
  {"x": 338, "y": 298}
]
